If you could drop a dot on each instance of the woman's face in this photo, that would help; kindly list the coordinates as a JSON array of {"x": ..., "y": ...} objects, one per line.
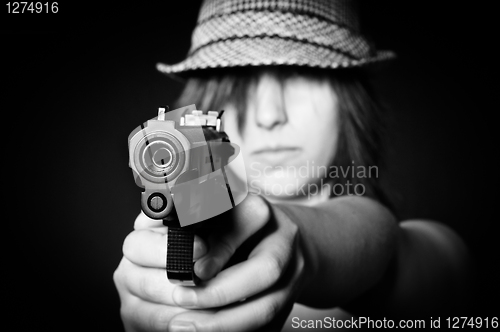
[{"x": 289, "y": 137}]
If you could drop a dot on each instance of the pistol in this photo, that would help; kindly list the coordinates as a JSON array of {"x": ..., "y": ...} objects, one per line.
[{"x": 179, "y": 159}]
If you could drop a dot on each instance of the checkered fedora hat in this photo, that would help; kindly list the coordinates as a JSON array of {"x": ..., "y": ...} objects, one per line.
[{"x": 312, "y": 33}]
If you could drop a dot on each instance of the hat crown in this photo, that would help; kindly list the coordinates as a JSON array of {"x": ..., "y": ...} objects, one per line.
[
  {"x": 327, "y": 23},
  {"x": 342, "y": 12},
  {"x": 313, "y": 33}
]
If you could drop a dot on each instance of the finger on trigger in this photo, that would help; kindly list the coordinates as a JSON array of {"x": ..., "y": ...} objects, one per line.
[
  {"x": 243, "y": 280},
  {"x": 249, "y": 217}
]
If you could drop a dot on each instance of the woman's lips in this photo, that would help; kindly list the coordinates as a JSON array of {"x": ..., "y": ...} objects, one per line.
[{"x": 276, "y": 155}]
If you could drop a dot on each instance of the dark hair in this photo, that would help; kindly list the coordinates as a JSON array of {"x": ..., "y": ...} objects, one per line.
[{"x": 360, "y": 113}]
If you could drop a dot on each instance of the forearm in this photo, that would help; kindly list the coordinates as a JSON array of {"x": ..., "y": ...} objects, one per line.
[
  {"x": 429, "y": 275},
  {"x": 349, "y": 243}
]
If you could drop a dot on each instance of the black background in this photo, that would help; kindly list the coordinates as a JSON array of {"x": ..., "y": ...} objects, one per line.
[{"x": 76, "y": 83}]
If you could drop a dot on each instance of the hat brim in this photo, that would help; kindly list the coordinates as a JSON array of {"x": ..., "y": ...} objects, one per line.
[{"x": 268, "y": 51}]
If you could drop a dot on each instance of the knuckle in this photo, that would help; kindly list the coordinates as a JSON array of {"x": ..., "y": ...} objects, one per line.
[
  {"x": 273, "y": 268},
  {"x": 119, "y": 275},
  {"x": 147, "y": 290},
  {"x": 159, "y": 319},
  {"x": 270, "y": 310},
  {"x": 261, "y": 208},
  {"x": 125, "y": 313},
  {"x": 127, "y": 247},
  {"x": 212, "y": 325},
  {"x": 226, "y": 247},
  {"x": 217, "y": 295},
  {"x": 256, "y": 206}
]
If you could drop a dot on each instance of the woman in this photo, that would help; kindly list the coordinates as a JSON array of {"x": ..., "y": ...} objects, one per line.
[{"x": 291, "y": 79}]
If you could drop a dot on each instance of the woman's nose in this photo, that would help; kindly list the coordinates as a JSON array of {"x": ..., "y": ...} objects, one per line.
[{"x": 270, "y": 105}]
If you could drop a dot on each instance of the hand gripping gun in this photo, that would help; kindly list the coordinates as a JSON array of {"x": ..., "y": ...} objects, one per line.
[{"x": 180, "y": 159}]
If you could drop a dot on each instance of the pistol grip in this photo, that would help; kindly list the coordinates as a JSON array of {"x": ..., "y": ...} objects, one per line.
[{"x": 180, "y": 265}]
